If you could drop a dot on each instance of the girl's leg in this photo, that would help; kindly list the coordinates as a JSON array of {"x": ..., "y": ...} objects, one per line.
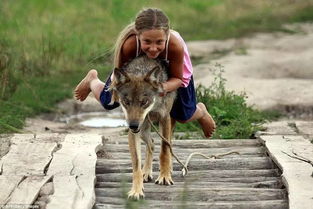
[
  {"x": 90, "y": 83},
  {"x": 204, "y": 118}
]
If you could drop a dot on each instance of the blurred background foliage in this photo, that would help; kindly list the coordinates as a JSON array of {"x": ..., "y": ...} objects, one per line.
[{"x": 46, "y": 47}]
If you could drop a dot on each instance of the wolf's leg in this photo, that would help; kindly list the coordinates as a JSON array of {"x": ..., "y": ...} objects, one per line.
[
  {"x": 136, "y": 191},
  {"x": 165, "y": 176},
  {"x": 173, "y": 123},
  {"x": 146, "y": 137}
]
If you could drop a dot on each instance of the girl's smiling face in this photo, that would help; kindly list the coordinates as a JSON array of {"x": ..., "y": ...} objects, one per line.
[{"x": 153, "y": 42}]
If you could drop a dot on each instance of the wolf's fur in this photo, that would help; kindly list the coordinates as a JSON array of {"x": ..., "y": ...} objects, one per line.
[{"x": 137, "y": 87}]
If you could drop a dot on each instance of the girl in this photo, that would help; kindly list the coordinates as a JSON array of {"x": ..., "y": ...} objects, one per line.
[{"x": 150, "y": 34}]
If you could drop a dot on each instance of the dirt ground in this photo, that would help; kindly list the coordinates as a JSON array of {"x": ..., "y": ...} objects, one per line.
[{"x": 274, "y": 69}]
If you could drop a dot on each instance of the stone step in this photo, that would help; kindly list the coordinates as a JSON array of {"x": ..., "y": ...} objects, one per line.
[
  {"x": 260, "y": 204},
  {"x": 122, "y": 150},
  {"x": 124, "y": 166},
  {"x": 168, "y": 193},
  {"x": 195, "y": 143},
  {"x": 267, "y": 183},
  {"x": 207, "y": 175}
]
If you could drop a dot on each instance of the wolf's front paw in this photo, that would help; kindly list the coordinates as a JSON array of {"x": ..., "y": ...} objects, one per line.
[
  {"x": 164, "y": 179},
  {"x": 136, "y": 194},
  {"x": 147, "y": 177}
]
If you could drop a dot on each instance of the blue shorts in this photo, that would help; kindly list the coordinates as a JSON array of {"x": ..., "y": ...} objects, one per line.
[
  {"x": 185, "y": 103},
  {"x": 183, "y": 108},
  {"x": 106, "y": 96}
]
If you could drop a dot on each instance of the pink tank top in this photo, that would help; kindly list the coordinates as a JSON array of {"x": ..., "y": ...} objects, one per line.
[{"x": 187, "y": 65}]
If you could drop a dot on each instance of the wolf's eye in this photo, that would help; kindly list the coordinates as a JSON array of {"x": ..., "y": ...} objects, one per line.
[
  {"x": 126, "y": 102},
  {"x": 144, "y": 102}
]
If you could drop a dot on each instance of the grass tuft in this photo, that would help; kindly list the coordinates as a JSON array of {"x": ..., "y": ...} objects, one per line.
[{"x": 235, "y": 119}]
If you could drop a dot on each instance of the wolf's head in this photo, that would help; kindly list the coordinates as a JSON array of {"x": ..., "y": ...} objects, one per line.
[{"x": 137, "y": 93}]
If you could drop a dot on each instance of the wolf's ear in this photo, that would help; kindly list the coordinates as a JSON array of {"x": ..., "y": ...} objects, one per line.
[
  {"x": 153, "y": 76},
  {"x": 120, "y": 76}
]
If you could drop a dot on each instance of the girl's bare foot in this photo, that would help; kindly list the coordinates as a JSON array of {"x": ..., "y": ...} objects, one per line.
[
  {"x": 207, "y": 123},
  {"x": 82, "y": 90}
]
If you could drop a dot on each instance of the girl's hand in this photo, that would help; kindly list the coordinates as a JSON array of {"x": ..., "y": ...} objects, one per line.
[{"x": 164, "y": 92}]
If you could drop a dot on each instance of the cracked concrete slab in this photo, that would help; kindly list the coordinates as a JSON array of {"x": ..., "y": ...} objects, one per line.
[
  {"x": 297, "y": 174},
  {"x": 279, "y": 128},
  {"x": 7, "y": 185},
  {"x": 289, "y": 127},
  {"x": 26, "y": 157},
  {"x": 72, "y": 192},
  {"x": 305, "y": 128},
  {"x": 26, "y": 192},
  {"x": 76, "y": 148},
  {"x": 4, "y": 144},
  {"x": 67, "y": 162},
  {"x": 74, "y": 166}
]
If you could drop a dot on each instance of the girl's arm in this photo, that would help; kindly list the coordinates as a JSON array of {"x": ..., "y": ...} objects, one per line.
[
  {"x": 176, "y": 58},
  {"x": 128, "y": 50}
]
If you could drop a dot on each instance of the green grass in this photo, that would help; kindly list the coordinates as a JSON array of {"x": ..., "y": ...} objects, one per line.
[
  {"x": 46, "y": 47},
  {"x": 33, "y": 96}
]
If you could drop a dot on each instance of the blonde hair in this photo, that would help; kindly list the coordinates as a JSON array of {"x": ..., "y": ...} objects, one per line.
[{"x": 146, "y": 19}]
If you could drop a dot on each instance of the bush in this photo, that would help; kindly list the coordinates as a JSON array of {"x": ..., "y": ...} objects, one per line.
[{"x": 233, "y": 117}]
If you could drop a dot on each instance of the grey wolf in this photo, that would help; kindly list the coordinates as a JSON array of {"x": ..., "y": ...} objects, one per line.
[{"x": 137, "y": 87}]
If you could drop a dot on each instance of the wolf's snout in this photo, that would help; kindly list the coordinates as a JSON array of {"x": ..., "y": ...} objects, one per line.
[{"x": 134, "y": 126}]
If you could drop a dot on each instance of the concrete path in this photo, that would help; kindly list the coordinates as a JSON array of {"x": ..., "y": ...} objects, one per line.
[
  {"x": 290, "y": 145},
  {"x": 49, "y": 171},
  {"x": 58, "y": 170}
]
